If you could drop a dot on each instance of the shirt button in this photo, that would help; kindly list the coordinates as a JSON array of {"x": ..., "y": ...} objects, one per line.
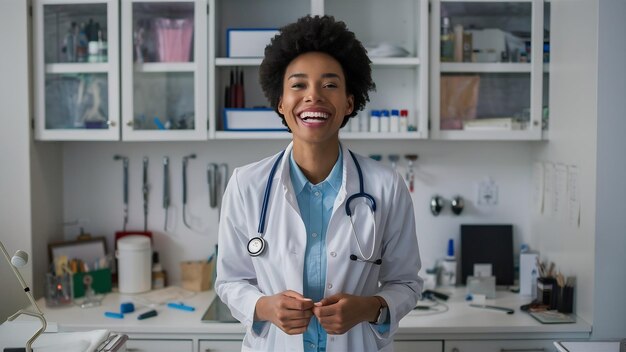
[
  {"x": 330, "y": 286},
  {"x": 317, "y": 193},
  {"x": 333, "y": 254},
  {"x": 314, "y": 234}
]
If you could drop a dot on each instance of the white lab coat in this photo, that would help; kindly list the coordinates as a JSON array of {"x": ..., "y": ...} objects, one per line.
[{"x": 242, "y": 279}]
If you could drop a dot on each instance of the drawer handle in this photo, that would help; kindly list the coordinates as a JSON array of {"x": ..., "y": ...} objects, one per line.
[{"x": 522, "y": 349}]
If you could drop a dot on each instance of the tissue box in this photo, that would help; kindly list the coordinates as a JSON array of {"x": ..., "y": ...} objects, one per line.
[
  {"x": 196, "y": 275},
  {"x": 252, "y": 120},
  {"x": 248, "y": 42}
]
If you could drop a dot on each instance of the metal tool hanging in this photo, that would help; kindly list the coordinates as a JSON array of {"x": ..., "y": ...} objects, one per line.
[
  {"x": 213, "y": 182},
  {"x": 125, "y": 161},
  {"x": 166, "y": 188},
  {"x": 185, "y": 161},
  {"x": 146, "y": 190},
  {"x": 223, "y": 181},
  {"x": 410, "y": 173}
]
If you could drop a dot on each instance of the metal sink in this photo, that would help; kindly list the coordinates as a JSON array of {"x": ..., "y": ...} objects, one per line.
[{"x": 218, "y": 312}]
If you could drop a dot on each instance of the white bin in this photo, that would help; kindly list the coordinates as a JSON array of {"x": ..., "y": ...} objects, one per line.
[{"x": 134, "y": 254}]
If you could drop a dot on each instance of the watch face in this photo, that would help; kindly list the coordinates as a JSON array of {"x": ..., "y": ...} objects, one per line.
[{"x": 256, "y": 246}]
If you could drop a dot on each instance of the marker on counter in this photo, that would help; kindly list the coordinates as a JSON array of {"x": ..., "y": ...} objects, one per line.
[
  {"x": 181, "y": 306},
  {"x": 114, "y": 315},
  {"x": 148, "y": 314}
]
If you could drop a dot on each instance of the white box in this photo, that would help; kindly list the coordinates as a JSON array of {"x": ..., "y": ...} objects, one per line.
[
  {"x": 252, "y": 120},
  {"x": 248, "y": 42},
  {"x": 527, "y": 281}
]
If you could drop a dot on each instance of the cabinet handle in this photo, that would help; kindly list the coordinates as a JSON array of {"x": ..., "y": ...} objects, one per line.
[
  {"x": 454, "y": 349},
  {"x": 129, "y": 124},
  {"x": 111, "y": 123},
  {"x": 522, "y": 349}
]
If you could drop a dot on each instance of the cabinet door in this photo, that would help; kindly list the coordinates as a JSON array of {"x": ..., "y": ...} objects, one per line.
[
  {"x": 76, "y": 69},
  {"x": 395, "y": 35},
  {"x": 164, "y": 75},
  {"x": 487, "y": 69},
  {"x": 421, "y": 346},
  {"x": 499, "y": 346},
  {"x": 159, "y": 345},
  {"x": 220, "y": 345}
]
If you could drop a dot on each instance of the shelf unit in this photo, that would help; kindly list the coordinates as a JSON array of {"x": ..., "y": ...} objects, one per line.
[
  {"x": 488, "y": 14},
  {"x": 75, "y": 100}
]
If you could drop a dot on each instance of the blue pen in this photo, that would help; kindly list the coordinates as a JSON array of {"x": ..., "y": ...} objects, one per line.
[
  {"x": 114, "y": 315},
  {"x": 181, "y": 306}
]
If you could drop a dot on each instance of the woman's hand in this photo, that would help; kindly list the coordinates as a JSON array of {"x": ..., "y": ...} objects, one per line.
[
  {"x": 288, "y": 310},
  {"x": 339, "y": 313}
]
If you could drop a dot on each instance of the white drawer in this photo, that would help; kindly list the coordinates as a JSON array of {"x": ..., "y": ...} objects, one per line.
[
  {"x": 159, "y": 345},
  {"x": 499, "y": 346},
  {"x": 220, "y": 345},
  {"x": 421, "y": 346}
]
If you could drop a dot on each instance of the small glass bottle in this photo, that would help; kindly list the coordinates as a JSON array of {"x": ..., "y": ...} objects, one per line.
[{"x": 447, "y": 41}]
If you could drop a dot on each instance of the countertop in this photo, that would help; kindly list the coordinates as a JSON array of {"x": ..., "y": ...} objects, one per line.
[{"x": 459, "y": 320}]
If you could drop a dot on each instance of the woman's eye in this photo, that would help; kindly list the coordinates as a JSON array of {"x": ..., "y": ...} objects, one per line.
[{"x": 330, "y": 85}]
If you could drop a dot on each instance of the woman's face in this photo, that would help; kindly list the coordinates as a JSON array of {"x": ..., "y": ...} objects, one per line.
[{"x": 315, "y": 100}]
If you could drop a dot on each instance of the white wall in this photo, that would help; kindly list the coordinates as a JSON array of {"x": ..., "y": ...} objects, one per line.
[
  {"x": 610, "y": 276},
  {"x": 93, "y": 188},
  {"x": 573, "y": 130},
  {"x": 15, "y": 215}
]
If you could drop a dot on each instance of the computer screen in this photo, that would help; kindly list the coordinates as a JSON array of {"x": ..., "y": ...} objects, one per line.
[{"x": 488, "y": 244}]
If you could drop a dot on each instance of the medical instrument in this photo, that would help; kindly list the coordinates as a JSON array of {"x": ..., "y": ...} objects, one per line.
[
  {"x": 410, "y": 173},
  {"x": 505, "y": 309},
  {"x": 394, "y": 158},
  {"x": 125, "y": 160},
  {"x": 256, "y": 246},
  {"x": 145, "y": 189},
  {"x": 222, "y": 181},
  {"x": 181, "y": 306},
  {"x": 148, "y": 314},
  {"x": 166, "y": 188},
  {"x": 19, "y": 259},
  {"x": 185, "y": 161},
  {"x": 212, "y": 180}
]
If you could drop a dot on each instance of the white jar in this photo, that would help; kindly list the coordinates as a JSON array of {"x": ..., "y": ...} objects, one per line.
[{"x": 134, "y": 254}]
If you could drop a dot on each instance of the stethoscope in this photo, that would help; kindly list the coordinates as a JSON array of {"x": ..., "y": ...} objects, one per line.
[{"x": 257, "y": 245}]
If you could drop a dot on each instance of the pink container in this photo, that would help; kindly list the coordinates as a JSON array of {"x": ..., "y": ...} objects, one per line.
[{"x": 174, "y": 39}]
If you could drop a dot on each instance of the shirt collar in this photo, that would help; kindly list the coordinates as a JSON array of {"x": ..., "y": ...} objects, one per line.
[{"x": 299, "y": 181}]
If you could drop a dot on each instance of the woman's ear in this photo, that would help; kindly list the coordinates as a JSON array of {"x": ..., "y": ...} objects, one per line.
[
  {"x": 280, "y": 105},
  {"x": 350, "y": 106}
]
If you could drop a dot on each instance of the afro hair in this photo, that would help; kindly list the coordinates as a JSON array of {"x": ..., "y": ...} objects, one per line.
[{"x": 320, "y": 34}]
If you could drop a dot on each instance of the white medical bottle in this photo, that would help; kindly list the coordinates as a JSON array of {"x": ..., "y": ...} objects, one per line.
[
  {"x": 375, "y": 121},
  {"x": 384, "y": 121},
  {"x": 404, "y": 120},
  {"x": 394, "y": 121},
  {"x": 448, "y": 267}
]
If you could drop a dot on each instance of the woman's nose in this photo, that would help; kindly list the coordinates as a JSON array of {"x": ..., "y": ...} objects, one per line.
[{"x": 313, "y": 94}]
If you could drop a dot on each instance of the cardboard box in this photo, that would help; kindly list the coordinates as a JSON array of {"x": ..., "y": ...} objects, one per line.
[
  {"x": 248, "y": 42},
  {"x": 252, "y": 120},
  {"x": 197, "y": 275}
]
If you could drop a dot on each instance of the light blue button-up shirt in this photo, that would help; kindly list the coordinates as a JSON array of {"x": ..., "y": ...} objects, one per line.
[{"x": 316, "y": 206}]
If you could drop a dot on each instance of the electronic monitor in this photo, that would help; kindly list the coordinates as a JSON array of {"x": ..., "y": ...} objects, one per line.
[{"x": 488, "y": 244}]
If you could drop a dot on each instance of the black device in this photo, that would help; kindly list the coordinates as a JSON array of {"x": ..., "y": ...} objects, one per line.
[
  {"x": 488, "y": 244},
  {"x": 430, "y": 293}
]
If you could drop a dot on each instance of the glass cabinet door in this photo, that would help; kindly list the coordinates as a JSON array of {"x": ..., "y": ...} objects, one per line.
[
  {"x": 164, "y": 68},
  {"x": 76, "y": 70},
  {"x": 487, "y": 69}
]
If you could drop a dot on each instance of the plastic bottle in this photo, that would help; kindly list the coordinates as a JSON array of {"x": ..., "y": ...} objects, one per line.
[
  {"x": 158, "y": 274},
  {"x": 375, "y": 121},
  {"x": 448, "y": 267},
  {"x": 384, "y": 121},
  {"x": 81, "y": 44},
  {"x": 69, "y": 44},
  {"x": 447, "y": 41},
  {"x": 404, "y": 120},
  {"x": 394, "y": 121}
]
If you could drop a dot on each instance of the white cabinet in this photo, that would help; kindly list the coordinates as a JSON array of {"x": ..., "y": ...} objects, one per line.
[
  {"x": 164, "y": 70},
  {"x": 402, "y": 82},
  {"x": 421, "y": 346},
  {"x": 76, "y": 69},
  {"x": 220, "y": 346},
  {"x": 487, "y": 68},
  {"x": 133, "y": 345},
  {"x": 499, "y": 346}
]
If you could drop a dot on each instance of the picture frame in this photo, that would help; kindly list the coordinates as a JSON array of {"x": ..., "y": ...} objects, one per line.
[{"x": 86, "y": 250}]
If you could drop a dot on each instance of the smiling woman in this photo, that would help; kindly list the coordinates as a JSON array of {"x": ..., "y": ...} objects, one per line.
[{"x": 309, "y": 269}]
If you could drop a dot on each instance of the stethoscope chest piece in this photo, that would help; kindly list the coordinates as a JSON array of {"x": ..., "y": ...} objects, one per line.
[{"x": 256, "y": 246}]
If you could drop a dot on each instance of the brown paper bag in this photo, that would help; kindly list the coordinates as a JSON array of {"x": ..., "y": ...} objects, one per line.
[
  {"x": 196, "y": 275},
  {"x": 459, "y": 100}
]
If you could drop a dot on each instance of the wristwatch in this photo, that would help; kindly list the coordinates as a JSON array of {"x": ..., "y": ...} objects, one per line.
[{"x": 382, "y": 312}]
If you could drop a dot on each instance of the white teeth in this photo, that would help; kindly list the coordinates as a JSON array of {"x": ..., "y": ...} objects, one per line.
[{"x": 314, "y": 115}]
